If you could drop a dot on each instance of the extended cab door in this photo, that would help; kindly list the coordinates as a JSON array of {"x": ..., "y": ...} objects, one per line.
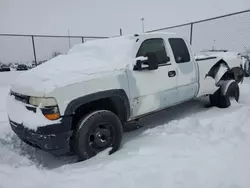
[
  {"x": 187, "y": 71},
  {"x": 152, "y": 90}
]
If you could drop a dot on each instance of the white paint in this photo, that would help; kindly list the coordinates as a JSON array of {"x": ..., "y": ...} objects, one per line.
[
  {"x": 107, "y": 81},
  {"x": 221, "y": 71},
  {"x": 233, "y": 59},
  {"x": 147, "y": 85},
  {"x": 207, "y": 84},
  {"x": 187, "y": 78}
]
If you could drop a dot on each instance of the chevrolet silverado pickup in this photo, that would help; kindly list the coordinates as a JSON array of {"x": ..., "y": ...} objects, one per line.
[{"x": 80, "y": 102}]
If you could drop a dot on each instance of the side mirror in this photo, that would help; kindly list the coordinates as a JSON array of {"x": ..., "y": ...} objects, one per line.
[
  {"x": 138, "y": 65},
  {"x": 152, "y": 61}
]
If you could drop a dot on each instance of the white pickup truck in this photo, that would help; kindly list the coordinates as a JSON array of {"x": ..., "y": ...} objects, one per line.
[{"x": 79, "y": 102}]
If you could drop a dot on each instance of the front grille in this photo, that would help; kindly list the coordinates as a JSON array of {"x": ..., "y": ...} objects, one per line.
[{"x": 20, "y": 97}]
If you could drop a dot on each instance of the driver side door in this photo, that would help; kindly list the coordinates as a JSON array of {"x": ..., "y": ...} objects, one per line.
[{"x": 153, "y": 90}]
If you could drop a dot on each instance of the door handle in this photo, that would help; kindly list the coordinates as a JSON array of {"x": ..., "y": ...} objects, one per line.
[{"x": 171, "y": 73}]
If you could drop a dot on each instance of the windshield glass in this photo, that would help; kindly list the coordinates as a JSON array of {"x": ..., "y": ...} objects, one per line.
[{"x": 119, "y": 49}]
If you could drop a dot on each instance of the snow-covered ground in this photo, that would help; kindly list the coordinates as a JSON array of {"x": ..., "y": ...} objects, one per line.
[{"x": 187, "y": 146}]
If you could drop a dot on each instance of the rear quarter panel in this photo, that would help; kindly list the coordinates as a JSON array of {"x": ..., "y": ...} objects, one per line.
[{"x": 207, "y": 84}]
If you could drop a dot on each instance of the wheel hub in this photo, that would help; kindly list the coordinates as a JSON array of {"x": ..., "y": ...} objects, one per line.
[{"x": 100, "y": 138}]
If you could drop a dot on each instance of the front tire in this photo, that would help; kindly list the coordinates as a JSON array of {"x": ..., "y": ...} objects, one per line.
[{"x": 96, "y": 132}]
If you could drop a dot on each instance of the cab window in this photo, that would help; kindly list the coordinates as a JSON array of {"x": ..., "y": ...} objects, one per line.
[
  {"x": 180, "y": 50},
  {"x": 156, "y": 46}
]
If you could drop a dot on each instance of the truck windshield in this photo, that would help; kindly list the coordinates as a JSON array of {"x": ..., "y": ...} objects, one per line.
[{"x": 118, "y": 49}]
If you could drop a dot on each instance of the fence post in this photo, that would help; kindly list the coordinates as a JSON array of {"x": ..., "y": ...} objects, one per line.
[
  {"x": 191, "y": 33},
  {"x": 82, "y": 40},
  {"x": 34, "y": 49}
]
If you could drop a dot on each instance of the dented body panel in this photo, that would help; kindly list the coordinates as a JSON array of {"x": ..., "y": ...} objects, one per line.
[{"x": 207, "y": 84}]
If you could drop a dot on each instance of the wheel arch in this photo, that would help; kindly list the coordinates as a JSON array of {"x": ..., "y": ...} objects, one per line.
[
  {"x": 115, "y": 100},
  {"x": 221, "y": 71}
]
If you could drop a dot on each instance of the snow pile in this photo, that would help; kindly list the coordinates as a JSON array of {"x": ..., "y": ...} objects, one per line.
[
  {"x": 81, "y": 63},
  {"x": 184, "y": 146},
  {"x": 18, "y": 113}
]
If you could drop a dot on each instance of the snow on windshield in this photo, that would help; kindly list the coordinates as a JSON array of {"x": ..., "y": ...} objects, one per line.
[
  {"x": 83, "y": 60},
  {"x": 119, "y": 49}
]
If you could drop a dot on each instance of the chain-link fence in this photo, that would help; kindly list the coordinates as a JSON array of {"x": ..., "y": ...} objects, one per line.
[
  {"x": 36, "y": 49},
  {"x": 227, "y": 32}
]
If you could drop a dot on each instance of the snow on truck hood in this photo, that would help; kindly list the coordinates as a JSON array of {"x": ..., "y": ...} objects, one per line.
[{"x": 83, "y": 62}]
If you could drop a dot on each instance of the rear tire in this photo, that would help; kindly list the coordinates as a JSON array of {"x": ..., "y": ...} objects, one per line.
[
  {"x": 96, "y": 132},
  {"x": 223, "y": 101}
]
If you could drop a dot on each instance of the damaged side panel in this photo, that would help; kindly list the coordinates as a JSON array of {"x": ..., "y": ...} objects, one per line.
[
  {"x": 222, "y": 71},
  {"x": 219, "y": 72}
]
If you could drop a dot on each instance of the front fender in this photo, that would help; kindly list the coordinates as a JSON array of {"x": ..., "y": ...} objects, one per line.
[{"x": 76, "y": 103}]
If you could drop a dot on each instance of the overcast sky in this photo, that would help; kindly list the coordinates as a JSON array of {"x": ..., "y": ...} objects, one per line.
[{"x": 105, "y": 17}]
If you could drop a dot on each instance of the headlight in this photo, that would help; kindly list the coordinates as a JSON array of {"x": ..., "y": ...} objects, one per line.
[
  {"x": 48, "y": 107},
  {"x": 42, "y": 102}
]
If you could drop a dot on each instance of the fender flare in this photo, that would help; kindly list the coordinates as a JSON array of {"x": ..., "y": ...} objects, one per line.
[{"x": 78, "y": 102}]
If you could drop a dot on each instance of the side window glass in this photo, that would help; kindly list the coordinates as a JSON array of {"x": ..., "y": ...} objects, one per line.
[
  {"x": 156, "y": 46},
  {"x": 180, "y": 50}
]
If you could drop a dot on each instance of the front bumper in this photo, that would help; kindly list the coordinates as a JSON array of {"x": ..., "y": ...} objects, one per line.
[{"x": 54, "y": 138}]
